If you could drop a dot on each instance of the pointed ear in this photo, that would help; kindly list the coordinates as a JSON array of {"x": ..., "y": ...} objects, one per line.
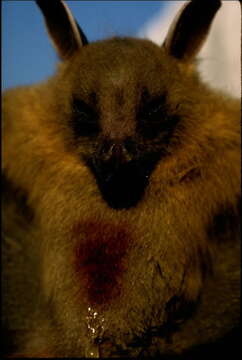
[
  {"x": 64, "y": 31},
  {"x": 190, "y": 28}
]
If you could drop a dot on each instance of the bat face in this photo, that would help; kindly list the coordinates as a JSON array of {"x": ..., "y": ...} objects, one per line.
[
  {"x": 127, "y": 168},
  {"x": 122, "y": 115}
]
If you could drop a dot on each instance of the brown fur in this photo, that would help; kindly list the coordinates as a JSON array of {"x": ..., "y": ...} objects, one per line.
[{"x": 164, "y": 264}]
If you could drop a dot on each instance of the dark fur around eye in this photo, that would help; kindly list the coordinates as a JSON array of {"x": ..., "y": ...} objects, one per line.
[
  {"x": 154, "y": 119},
  {"x": 84, "y": 119}
]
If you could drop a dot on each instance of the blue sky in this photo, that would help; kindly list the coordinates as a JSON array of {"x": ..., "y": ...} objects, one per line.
[{"x": 27, "y": 54}]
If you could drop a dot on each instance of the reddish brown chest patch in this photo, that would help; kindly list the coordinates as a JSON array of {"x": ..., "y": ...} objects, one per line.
[{"x": 99, "y": 259}]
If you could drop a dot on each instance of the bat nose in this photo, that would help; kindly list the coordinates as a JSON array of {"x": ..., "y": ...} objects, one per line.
[
  {"x": 118, "y": 150},
  {"x": 122, "y": 151},
  {"x": 121, "y": 171}
]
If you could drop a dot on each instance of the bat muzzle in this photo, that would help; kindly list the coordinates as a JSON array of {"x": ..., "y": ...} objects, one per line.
[{"x": 121, "y": 173}]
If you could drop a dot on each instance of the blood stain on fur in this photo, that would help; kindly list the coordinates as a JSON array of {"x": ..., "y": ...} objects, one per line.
[{"x": 99, "y": 259}]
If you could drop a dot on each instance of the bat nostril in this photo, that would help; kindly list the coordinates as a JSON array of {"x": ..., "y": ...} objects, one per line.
[{"x": 117, "y": 150}]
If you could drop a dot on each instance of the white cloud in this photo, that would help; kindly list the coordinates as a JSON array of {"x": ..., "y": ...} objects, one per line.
[{"x": 220, "y": 55}]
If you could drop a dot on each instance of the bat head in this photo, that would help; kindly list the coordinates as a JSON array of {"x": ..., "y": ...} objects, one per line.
[{"x": 120, "y": 99}]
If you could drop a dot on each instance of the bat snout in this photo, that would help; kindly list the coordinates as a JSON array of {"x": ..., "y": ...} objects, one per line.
[
  {"x": 119, "y": 152},
  {"x": 121, "y": 173}
]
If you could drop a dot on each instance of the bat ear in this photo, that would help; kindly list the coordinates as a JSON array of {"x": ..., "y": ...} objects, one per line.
[
  {"x": 64, "y": 31},
  {"x": 190, "y": 28}
]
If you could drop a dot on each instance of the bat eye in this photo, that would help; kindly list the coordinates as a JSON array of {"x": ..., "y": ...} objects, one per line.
[{"x": 84, "y": 119}]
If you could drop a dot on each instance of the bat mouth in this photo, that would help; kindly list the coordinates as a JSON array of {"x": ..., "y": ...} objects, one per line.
[{"x": 123, "y": 185}]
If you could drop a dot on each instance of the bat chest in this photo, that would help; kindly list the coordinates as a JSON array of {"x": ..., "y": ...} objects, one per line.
[{"x": 100, "y": 259}]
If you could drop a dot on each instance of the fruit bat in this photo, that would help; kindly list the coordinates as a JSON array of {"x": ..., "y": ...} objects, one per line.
[{"x": 121, "y": 194}]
